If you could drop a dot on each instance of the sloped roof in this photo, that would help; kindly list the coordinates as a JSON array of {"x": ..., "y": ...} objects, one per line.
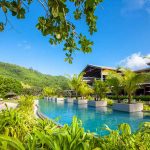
[
  {"x": 98, "y": 67},
  {"x": 143, "y": 70}
]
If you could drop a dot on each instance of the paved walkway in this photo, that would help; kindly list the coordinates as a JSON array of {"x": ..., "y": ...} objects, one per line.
[{"x": 9, "y": 105}]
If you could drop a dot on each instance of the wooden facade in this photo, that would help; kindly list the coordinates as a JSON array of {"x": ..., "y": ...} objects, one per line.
[{"x": 92, "y": 72}]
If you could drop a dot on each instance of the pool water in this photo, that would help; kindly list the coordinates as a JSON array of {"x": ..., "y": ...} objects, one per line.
[{"x": 93, "y": 119}]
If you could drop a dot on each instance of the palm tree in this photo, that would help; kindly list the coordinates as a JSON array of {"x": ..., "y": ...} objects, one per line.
[
  {"x": 48, "y": 91},
  {"x": 132, "y": 80},
  {"x": 115, "y": 80},
  {"x": 75, "y": 82},
  {"x": 85, "y": 90},
  {"x": 100, "y": 89}
]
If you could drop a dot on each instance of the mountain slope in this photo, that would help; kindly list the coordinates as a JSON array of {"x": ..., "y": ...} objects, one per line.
[{"x": 32, "y": 77}]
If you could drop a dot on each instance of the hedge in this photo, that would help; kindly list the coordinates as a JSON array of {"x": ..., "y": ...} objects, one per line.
[{"x": 138, "y": 98}]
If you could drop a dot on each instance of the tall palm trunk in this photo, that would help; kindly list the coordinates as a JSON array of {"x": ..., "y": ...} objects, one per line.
[
  {"x": 77, "y": 95},
  {"x": 118, "y": 98},
  {"x": 129, "y": 99}
]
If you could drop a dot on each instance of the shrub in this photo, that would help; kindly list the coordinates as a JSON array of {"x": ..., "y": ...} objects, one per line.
[
  {"x": 47, "y": 135},
  {"x": 9, "y": 85},
  {"x": 146, "y": 108},
  {"x": 21, "y": 131},
  {"x": 109, "y": 101},
  {"x": 138, "y": 98}
]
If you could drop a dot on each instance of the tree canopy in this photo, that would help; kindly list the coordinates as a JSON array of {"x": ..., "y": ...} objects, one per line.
[
  {"x": 114, "y": 81},
  {"x": 132, "y": 81},
  {"x": 9, "y": 85},
  {"x": 32, "y": 80},
  {"x": 56, "y": 23},
  {"x": 100, "y": 89}
]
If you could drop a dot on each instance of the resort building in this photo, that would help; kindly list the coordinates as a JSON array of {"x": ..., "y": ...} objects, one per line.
[
  {"x": 92, "y": 72},
  {"x": 145, "y": 87}
]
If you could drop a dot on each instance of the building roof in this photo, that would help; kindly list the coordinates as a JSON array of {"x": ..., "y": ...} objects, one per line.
[
  {"x": 112, "y": 68},
  {"x": 98, "y": 67},
  {"x": 143, "y": 70}
]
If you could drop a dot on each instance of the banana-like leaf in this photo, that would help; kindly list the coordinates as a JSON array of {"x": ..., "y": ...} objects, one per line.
[{"x": 13, "y": 142}]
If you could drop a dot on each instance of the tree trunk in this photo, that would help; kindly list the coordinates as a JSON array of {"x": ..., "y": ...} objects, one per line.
[
  {"x": 118, "y": 98},
  {"x": 129, "y": 99},
  {"x": 77, "y": 95}
]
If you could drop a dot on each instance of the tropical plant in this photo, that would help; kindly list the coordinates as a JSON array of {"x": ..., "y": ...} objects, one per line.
[
  {"x": 114, "y": 81},
  {"x": 132, "y": 81},
  {"x": 21, "y": 131},
  {"x": 146, "y": 107},
  {"x": 26, "y": 104},
  {"x": 138, "y": 98},
  {"x": 100, "y": 89},
  {"x": 76, "y": 82},
  {"x": 59, "y": 91},
  {"x": 15, "y": 123},
  {"x": 47, "y": 91},
  {"x": 9, "y": 85},
  {"x": 85, "y": 90},
  {"x": 47, "y": 135}
]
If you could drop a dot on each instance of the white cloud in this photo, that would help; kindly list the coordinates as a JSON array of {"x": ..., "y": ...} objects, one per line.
[
  {"x": 24, "y": 45},
  {"x": 135, "y": 61},
  {"x": 130, "y": 6}
]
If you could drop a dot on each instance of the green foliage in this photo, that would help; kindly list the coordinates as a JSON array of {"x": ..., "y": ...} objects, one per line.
[
  {"x": 85, "y": 90},
  {"x": 19, "y": 130},
  {"x": 34, "y": 79},
  {"x": 114, "y": 81},
  {"x": 146, "y": 108},
  {"x": 1, "y": 26},
  {"x": 10, "y": 143},
  {"x": 33, "y": 91},
  {"x": 26, "y": 104},
  {"x": 47, "y": 91},
  {"x": 76, "y": 82},
  {"x": 138, "y": 98},
  {"x": 109, "y": 102},
  {"x": 131, "y": 82},
  {"x": 47, "y": 135},
  {"x": 55, "y": 22},
  {"x": 9, "y": 85},
  {"x": 15, "y": 124},
  {"x": 100, "y": 89}
]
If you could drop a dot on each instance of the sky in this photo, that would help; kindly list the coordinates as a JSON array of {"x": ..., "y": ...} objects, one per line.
[{"x": 122, "y": 39}]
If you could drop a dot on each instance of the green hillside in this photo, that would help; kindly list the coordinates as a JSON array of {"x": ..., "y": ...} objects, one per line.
[{"x": 32, "y": 77}]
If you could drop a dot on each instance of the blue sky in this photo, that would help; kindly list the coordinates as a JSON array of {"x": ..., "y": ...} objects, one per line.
[{"x": 123, "y": 37}]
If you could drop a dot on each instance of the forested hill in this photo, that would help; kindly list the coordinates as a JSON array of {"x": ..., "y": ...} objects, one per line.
[{"x": 32, "y": 77}]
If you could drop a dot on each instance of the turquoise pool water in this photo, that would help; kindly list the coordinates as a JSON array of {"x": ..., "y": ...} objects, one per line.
[{"x": 93, "y": 119}]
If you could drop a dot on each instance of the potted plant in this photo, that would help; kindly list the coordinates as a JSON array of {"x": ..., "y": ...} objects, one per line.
[
  {"x": 85, "y": 91},
  {"x": 59, "y": 92},
  {"x": 114, "y": 81},
  {"x": 49, "y": 93},
  {"x": 131, "y": 82},
  {"x": 100, "y": 89},
  {"x": 76, "y": 83}
]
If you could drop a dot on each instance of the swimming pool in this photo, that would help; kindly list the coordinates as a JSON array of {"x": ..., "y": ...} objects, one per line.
[{"x": 93, "y": 119}]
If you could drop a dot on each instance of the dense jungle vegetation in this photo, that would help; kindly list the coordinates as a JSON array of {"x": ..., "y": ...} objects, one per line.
[{"x": 32, "y": 78}]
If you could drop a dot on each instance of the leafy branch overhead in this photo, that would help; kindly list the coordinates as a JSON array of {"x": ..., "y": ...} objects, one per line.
[{"x": 56, "y": 24}]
